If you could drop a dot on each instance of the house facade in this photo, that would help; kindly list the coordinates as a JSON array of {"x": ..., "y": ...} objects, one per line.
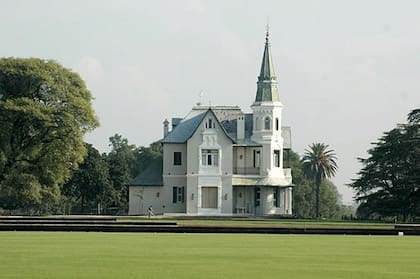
[{"x": 218, "y": 160}]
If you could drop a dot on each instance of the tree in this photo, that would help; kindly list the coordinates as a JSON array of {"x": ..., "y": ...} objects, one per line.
[
  {"x": 304, "y": 194},
  {"x": 45, "y": 110},
  {"x": 319, "y": 163},
  {"x": 90, "y": 183},
  {"x": 389, "y": 182},
  {"x": 122, "y": 162},
  {"x": 125, "y": 162},
  {"x": 330, "y": 200}
]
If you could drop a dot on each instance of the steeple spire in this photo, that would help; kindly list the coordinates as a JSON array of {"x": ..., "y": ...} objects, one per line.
[{"x": 267, "y": 81}]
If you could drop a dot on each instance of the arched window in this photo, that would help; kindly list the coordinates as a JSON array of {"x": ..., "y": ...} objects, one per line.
[
  {"x": 277, "y": 123},
  {"x": 267, "y": 123}
]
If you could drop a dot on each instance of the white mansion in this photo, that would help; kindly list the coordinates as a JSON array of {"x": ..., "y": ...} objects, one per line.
[{"x": 221, "y": 161}]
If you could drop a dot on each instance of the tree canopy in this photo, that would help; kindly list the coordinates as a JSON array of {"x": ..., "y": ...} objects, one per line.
[
  {"x": 389, "y": 182},
  {"x": 45, "y": 110},
  {"x": 101, "y": 182}
]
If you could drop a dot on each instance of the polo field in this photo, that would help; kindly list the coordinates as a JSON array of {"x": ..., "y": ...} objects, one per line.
[{"x": 185, "y": 255}]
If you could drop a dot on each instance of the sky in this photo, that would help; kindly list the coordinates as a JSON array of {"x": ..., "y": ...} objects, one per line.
[{"x": 347, "y": 70}]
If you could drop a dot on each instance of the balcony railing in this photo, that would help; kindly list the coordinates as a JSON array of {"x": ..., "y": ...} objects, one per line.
[{"x": 239, "y": 170}]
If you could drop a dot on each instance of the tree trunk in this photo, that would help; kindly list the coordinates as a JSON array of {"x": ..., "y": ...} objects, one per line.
[{"x": 318, "y": 196}]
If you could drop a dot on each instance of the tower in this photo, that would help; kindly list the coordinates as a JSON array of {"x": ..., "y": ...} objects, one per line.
[{"x": 267, "y": 111}]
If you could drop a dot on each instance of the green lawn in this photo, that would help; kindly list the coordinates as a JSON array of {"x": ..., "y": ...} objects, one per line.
[{"x": 129, "y": 255}]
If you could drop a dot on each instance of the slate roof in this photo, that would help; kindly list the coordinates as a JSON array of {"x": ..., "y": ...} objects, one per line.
[
  {"x": 231, "y": 128},
  {"x": 227, "y": 117},
  {"x": 151, "y": 176},
  {"x": 185, "y": 128}
]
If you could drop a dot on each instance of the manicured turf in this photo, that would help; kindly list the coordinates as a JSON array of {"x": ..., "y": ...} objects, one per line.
[{"x": 126, "y": 255}]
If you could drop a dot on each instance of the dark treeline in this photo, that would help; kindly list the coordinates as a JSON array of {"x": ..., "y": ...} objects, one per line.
[{"x": 99, "y": 186}]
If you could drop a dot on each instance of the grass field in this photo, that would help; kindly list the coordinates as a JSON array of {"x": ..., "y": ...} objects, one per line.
[{"x": 127, "y": 255}]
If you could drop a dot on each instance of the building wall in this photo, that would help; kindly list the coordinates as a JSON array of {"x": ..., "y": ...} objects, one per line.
[
  {"x": 271, "y": 139},
  {"x": 141, "y": 197},
  {"x": 160, "y": 198},
  {"x": 168, "y": 159},
  {"x": 200, "y": 175},
  {"x": 194, "y": 175}
]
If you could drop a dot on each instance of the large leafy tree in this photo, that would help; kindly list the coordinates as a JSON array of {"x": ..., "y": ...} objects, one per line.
[
  {"x": 389, "y": 182},
  {"x": 319, "y": 163},
  {"x": 45, "y": 110}
]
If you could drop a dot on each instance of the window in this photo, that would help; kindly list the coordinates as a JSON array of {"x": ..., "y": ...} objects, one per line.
[
  {"x": 210, "y": 124},
  {"x": 257, "y": 196},
  {"x": 286, "y": 158},
  {"x": 210, "y": 157},
  {"x": 209, "y": 197},
  {"x": 276, "y": 158},
  {"x": 267, "y": 123},
  {"x": 178, "y": 194},
  {"x": 256, "y": 162},
  {"x": 276, "y": 197},
  {"x": 177, "y": 158},
  {"x": 277, "y": 123}
]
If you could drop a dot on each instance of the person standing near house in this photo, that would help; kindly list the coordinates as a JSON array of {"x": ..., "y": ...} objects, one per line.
[{"x": 150, "y": 211}]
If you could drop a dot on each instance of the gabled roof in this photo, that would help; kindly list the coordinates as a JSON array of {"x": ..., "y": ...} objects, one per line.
[
  {"x": 227, "y": 117},
  {"x": 151, "y": 176},
  {"x": 185, "y": 128}
]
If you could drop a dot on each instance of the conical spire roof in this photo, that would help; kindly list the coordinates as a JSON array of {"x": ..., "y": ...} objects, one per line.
[
  {"x": 267, "y": 81},
  {"x": 267, "y": 70}
]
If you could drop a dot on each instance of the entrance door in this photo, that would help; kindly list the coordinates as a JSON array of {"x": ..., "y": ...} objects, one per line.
[{"x": 209, "y": 197}]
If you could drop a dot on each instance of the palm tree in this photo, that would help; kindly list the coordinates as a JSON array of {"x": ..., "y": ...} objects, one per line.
[{"x": 319, "y": 163}]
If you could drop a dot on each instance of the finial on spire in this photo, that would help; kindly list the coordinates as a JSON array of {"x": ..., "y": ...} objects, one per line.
[
  {"x": 267, "y": 81},
  {"x": 267, "y": 29}
]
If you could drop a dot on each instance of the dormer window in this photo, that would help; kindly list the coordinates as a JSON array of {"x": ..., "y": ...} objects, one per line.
[{"x": 210, "y": 124}]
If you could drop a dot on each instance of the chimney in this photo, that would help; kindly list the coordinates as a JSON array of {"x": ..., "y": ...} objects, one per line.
[
  {"x": 175, "y": 122},
  {"x": 240, "y": 127},
  {"x": 165, "y": 128}
]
